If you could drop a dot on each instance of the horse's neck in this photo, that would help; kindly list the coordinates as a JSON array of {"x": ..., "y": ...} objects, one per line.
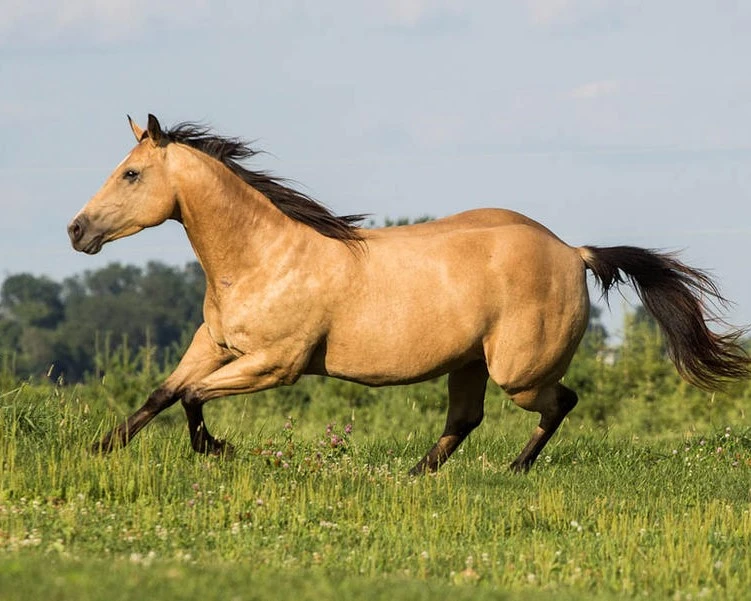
[{"x": 231, "y": 226}]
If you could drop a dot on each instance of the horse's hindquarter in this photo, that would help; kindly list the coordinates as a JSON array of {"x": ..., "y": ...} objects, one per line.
[
  {"x": 543, "y": 315},
  {"x": 422, "y": 305}
]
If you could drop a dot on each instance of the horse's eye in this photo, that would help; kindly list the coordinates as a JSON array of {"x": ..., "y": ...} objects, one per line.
[{"x": 130, "y": 175}]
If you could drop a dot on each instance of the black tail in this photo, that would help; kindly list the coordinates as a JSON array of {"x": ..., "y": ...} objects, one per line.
[{"x": 682, "y": 301}]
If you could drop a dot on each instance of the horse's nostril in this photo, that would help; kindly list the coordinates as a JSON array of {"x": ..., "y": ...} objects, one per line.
[{"x": 75, "y": 231}]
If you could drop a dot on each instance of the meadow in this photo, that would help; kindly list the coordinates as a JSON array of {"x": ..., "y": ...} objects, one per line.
[{"x": 645, "y": 492}]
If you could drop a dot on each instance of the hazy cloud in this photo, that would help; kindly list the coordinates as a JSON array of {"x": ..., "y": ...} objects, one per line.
[
  {"x": 48, "y": 21},
  {"x": 432, "y": 130},
  {"x": 16, "y": 112},
  {"x": 578, "y": 14},
  {"x": 411, "y": 13},
  {"x": 595, "y": 89},
  {"x": 544, "y": 12}
]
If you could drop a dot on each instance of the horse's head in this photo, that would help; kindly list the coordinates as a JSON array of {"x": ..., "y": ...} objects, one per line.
[{"x": 138, "y": 194}]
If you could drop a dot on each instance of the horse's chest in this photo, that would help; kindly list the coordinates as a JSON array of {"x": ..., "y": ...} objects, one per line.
[
  {"x": 255, "y": 332},
  {"x": 245, "y": 321}
]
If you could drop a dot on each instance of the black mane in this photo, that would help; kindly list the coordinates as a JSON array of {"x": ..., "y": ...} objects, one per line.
[{"x": 294, "y": 204}]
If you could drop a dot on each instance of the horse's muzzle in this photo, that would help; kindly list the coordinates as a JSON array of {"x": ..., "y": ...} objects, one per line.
[{"x": 77, "y": 230}]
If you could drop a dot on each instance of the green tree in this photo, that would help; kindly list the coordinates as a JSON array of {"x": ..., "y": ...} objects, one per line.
[
  {"x": 32, "y": 301},
  {"x": 114, "y": 280},
  {"x": 156, "y": 307},
  {"x": 30, "y": 310}
]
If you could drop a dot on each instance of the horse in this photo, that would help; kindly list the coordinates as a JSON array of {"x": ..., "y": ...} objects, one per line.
[{"x": 293, "y": 289}]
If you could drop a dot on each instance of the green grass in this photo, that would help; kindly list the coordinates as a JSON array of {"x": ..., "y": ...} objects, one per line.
[{"x": 606, "y": 513}]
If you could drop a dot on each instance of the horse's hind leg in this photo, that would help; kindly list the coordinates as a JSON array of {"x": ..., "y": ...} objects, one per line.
[
  {"x": 553, "y": 404},
  {"x": 465, "y": 412}
]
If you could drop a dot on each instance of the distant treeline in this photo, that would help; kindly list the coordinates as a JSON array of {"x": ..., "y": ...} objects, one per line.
[{"x": 63, "y": 329}]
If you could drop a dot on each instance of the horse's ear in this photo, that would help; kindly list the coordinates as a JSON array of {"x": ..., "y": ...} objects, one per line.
[
  {"x": 154, "y": 129},
  {"x": 137, "y": 131}
]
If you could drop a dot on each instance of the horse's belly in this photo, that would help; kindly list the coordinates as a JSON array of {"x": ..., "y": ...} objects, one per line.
[{"x": 399, "y": 351}]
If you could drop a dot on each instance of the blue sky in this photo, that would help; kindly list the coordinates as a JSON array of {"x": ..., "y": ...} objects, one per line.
[{"x": 610, "y": 122}]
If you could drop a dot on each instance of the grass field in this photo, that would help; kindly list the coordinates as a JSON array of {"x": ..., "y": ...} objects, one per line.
[{"x": 311, "y": 508}]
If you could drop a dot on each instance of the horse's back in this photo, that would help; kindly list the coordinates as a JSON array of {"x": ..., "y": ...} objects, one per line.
[{"x": 472, "y": 219}]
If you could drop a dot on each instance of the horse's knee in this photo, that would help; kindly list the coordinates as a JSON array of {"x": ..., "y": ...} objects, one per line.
[{"x": 160, "y": 399}]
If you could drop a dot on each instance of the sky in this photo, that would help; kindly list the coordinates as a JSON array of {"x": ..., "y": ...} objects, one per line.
[{"x": 610, "y": 122}]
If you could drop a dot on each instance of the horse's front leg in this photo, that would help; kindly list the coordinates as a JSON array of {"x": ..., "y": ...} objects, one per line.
[
  {"x": 203, "y": 357},
  {"x": 250, "y": 373}
]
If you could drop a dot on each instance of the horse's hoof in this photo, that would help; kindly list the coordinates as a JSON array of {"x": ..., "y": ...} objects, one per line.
[
  {"x": 221, "y": 448},
  {"x": 418, "y": 470},
  {"x": 519, "y": 467}
]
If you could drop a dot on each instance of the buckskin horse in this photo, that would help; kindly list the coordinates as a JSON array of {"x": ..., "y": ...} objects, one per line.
[{"x": 293, "y": 289}]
